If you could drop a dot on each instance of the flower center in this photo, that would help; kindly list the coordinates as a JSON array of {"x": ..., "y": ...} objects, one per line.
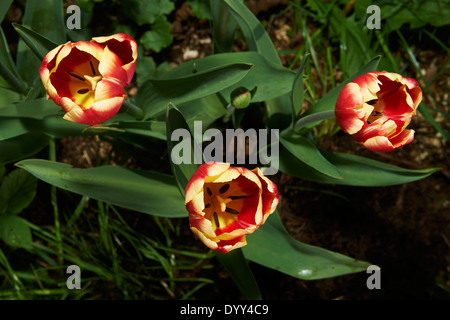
[
  {"x": 85, "y": 83},
  {"x": 377, "y": 111},
  {"x": 222, "y": 205}
]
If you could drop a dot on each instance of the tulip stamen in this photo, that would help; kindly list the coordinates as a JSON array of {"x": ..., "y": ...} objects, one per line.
[
  {"x": 75, "y": 76},
  {"x": 224, "y": 188},
  {"x": 372, "y": 102},
  {"x": 92, "y": 67},
  {"x": 375, "y": 115},
  {"x": 237, "y": 197},
  {"x": 216, "y": 219},
  {"x": 232, "y": 211},
  {"x": 209, "y": 191},
  {"x": 207, "y": 205},
  {"x": 83, "y": 91}
]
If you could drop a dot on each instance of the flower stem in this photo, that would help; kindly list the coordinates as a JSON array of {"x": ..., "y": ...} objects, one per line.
[{"x": 134, "y": 110}]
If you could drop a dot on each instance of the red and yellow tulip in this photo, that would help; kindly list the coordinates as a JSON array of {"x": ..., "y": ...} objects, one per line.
[
  {"x": 227, "y": 203},
  {"x": 87, "y": 78},
  {"x": 376, "y": 108}
]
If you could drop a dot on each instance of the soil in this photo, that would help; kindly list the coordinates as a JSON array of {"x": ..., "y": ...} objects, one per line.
[{"x": 404, "y": 229}]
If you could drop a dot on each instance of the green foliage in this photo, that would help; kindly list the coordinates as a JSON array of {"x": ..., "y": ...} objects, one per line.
[
  {"x": 170, "y": 99},
  {"x": 17, "y": 191}
]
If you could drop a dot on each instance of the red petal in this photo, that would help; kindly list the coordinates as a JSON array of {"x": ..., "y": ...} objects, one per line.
[{"x": 125, "y": 47}]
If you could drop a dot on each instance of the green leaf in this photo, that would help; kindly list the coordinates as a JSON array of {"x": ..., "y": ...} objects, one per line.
[
  {"x": 313, "y": 119},
  {"x": 7, "y": 97},
  {"x": 142, "y": 191},
  {"x": 20, "y": 147},
  {"x": 154, "y": 95},
  {"x": 15, "y": 231},
  {"x": 17, "y": 191},
  {"x": 146, "y": 11},
  {"x": 355, "y": 170},
  {"x": 47, "y": 18},
  {"x": 240, "y": 272},
  {"x": 8, "y": 71},
  {"x": 207, "y": 109},
  {"x": 39, "y": 44},
  {"x": 4, "y": 6},
  {"x": 308, "y": 153},
  {"x": 36, "y": 109},
  {"x": 223, "y": 27},
  {"x": 279, "y": 82},
  {"x": 181, "y": 171},
  {"x": 200, "y": 8},
  {"x": 159, "y": 37},
  {"x": 150, "y": 128},
  {"x": 273, "y": 247},
  {"x": 255, "y": 35}
]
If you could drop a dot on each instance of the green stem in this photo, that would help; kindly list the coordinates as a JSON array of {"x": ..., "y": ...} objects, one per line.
[{"x": 134, "y": 110}]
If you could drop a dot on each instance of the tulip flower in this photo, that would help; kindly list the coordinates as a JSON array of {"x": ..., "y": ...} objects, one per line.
[
  {"x": 227, "y": 203},
  {"x": 87, "y": 78},
  {"x": 376, "y": 108}
]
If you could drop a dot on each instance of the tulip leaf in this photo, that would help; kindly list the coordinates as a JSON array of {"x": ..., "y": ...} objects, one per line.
[
  {"x": 255, "y": 35},
  {"x": 19, "y": 147},
  {"x": 355, "y": 170},
  {"x": 17, "y": 191},
  {"x": 47, "y": 18},
  {"x": 36, "y": 109},
  {"x": 154, "y": 94},
  {"x": 307, "y": 152},
  {"x": 207, "y": 109},
  {"x": 273, "y": 247},
  {"x": 313, "y": 119},
  {"x": 143, "y": 191},
  {"x": 182, "y": 171},
  {"x": 236, "y": 265},
  {"x": 4, "y": 6},
  {"x": 8, "y": 71},
  {"x": 328, "y": 102},
  {"x": 279, "y": 82},
  {"x": 15, "y": 231},
  {"x": 39, "y": 44},
  {"x": 223, "y": 27}
]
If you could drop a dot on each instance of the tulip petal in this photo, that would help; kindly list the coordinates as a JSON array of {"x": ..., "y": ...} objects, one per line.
[
  {"x": 125, "y": 47},
  {"x": 350, "y": 109},
  {"x": 107, "y": 89},
  {"x": 195, "y": 184},
  {"x": 376, "y": 108},
  {"x": 378, "y": 143},
  {"x": 110, "y": 68},
  {"x": 403, "y": 138},
  {"x": 98, "y": 112}
]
